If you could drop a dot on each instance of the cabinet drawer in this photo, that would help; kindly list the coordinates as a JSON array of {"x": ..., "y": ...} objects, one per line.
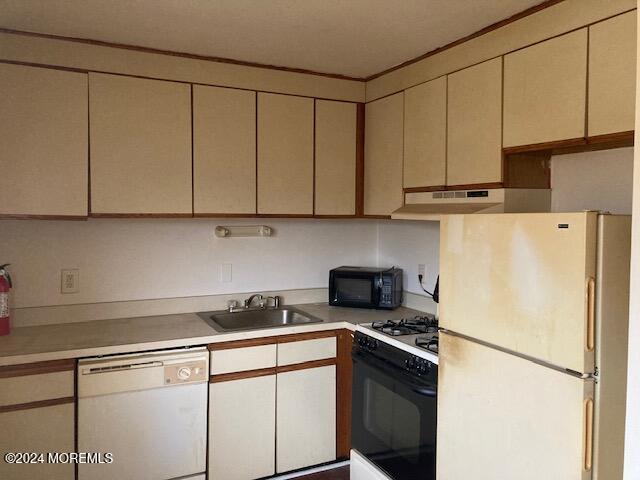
[
  {"x": 243, "y": 359},
  {"x": 36, "y": 388},
  {"x": 306, "y": 350}
]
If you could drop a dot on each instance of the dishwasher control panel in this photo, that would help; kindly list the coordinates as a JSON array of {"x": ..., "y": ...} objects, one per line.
[{"x": 187, "y": 372}]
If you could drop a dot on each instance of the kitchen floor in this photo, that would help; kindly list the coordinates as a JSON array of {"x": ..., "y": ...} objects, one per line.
[{"x": 341, "y": 473}]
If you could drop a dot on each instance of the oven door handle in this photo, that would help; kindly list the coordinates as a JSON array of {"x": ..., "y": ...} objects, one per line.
[{"x": 396, "y": 373}]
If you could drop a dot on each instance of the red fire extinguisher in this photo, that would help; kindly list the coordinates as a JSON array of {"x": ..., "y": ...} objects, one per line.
[{"x": 5, "y": 286}]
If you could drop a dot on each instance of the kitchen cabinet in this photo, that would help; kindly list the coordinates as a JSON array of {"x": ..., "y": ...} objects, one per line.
[
  {"x": 44, "y": 134},
  {"x": 383, "y": 155},
  {"x": 474, "y": 137},
  {"x": 612, "y": 75},
  {"x": 37, "y": 414},
  {"x": 306, "y": 418},
  {"x": 242, "y": 436},
  {"x": 285, "y": 154},
  {"x": 224, "y": 151},
  {"x": 335, "y": 158},
  {"x": 545, "y": 88},
  {"x": 425, "y": 134},
  {"x": 140, "y": 135}
]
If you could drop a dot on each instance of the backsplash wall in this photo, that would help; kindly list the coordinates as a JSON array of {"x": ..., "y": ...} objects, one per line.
[{"x": 135, "y": 259}]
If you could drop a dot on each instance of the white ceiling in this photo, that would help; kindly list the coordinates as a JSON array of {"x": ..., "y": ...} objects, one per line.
[{"x": 349, "y": 37}]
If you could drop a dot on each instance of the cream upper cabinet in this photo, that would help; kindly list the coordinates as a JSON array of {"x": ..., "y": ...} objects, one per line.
[
  {"x": 545, "y": 88},
  {"x": 383, "y": 155},
  {"x": 474, "y": 139},
  {"x": 335, "y": 165},
  {"x": 43, "y": 133},
  {"x": 425, "y": 134},
  {"x": 285, "y": 154},
  {"x": 224, "y": 150},
  {"x": 612, "y": 75},
  {"x": 140, "y": 146}
]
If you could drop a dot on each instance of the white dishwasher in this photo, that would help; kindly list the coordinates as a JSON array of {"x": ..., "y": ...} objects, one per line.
[{"x": 148, "y": 410}]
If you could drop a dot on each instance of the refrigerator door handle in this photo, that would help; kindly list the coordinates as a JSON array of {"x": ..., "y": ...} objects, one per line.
[
  {"x": 588, "y": 434},
  {"x": 591, "y": 313}
]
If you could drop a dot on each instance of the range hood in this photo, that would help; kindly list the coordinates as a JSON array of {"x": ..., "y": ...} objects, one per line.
[{"x": 431, "y": 205}]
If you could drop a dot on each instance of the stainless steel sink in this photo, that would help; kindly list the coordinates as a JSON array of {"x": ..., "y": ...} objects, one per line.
[{"x": 257, "y": 318}]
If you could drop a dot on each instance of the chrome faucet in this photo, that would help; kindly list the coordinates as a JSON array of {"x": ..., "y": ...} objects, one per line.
[{"x": 249, "y": 301}]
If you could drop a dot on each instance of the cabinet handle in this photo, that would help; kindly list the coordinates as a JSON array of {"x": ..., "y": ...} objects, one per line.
[
  {"x": 591, "y": 313},
  {"x": 588, "y": 434}
]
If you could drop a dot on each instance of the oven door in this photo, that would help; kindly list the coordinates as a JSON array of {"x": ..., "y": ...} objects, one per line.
[
  {"x": 355, "y": 289},
  {"x": 394, "y": 418}
]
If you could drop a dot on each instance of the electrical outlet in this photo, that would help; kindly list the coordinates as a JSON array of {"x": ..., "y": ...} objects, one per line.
[
  {"x": 421, "y": 269},
  {"x": 70, "y": 280},
  {"x": 226, "y": 272}
]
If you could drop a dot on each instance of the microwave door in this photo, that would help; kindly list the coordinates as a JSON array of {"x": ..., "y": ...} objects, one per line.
[{"x": 356, "y": 290}]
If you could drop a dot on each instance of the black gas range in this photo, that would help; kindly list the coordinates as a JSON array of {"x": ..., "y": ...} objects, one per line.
[
  {"x": 394, "y": 403},
  {"x": 421, "y": 331}
]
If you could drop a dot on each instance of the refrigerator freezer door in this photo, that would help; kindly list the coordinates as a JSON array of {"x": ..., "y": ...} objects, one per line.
[
  {"x": 521, "y": 282},
  {"x": 503, "y": 417}
]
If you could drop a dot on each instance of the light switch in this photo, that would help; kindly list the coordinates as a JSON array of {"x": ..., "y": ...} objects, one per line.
[{"x": 226, "y": 272}]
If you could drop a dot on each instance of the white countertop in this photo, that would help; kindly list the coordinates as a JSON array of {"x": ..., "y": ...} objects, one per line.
[{"x": 125, "y": 335}]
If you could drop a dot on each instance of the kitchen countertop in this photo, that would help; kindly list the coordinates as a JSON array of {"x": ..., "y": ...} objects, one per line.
[{"x": 124, "y": 335}]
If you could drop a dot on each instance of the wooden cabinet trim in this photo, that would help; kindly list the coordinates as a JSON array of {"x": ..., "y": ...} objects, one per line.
[
  {"x": 344, "y": 371},
  {"x": 360, "y": 159},
  {"x": 254, "y": 342},
  {"x": 228, "y": 377},
  {"x": 251, "y": 342},
  {"x": 37, "y": 368},
  {"x": 38, "y": 404},
  {"x": 580, "y": 144},
  {"x": 572, "y": 142},
  {"x": 325, "y": 362},
  {"x": 27, "y": 216}
]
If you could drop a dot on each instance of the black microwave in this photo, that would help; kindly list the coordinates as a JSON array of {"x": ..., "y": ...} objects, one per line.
[{"x": 365, "y": 287}]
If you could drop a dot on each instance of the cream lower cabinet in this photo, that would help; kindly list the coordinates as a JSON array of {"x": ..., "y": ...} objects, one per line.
[
  {"x": 474, "y": 137},
  {"x": 383, "y": 144},
  {"x": 545, "y": 88},
  {"x": 306, "y": 418},
  {"x": 612, "y": 75},
  {"x": 140, "y": 136},
  {"x": 242, "y": 424},
  {"x": 285, "y": 154},
  {"x": 37, "y": 414},
  {"x": 43, "y": 139}
]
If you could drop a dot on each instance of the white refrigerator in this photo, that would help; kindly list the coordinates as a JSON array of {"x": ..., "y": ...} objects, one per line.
[{"x": 532, "y": 375}]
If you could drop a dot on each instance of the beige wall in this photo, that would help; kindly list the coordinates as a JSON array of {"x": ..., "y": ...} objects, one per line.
[
  {"x": 632, "y": 441},
  {"x": 593, "y": 181},
  {"x": 83, "y": 56},
  {"x": 135, "y": 259}
]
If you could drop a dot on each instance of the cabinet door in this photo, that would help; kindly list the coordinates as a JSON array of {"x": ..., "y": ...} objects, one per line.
[
  {"x": 306, "y": 418},
  {"x": 612, "y": 75},
  {"x": 242, "y": 422},
  {"x": 335, "y": 165},
  {"x": 285, "y": 154},
  {"x": 545, "y": 88},
  {"x": 383, "y": 155},
  {"x": 140, "y": 145},
  {"x": 425, "y": 134},
  {"x": 41, "y": 430},
  {"x": 474, "y": 137},
  {"x": 224, "y": 150},
  {"x": 43, "y": 133}
]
